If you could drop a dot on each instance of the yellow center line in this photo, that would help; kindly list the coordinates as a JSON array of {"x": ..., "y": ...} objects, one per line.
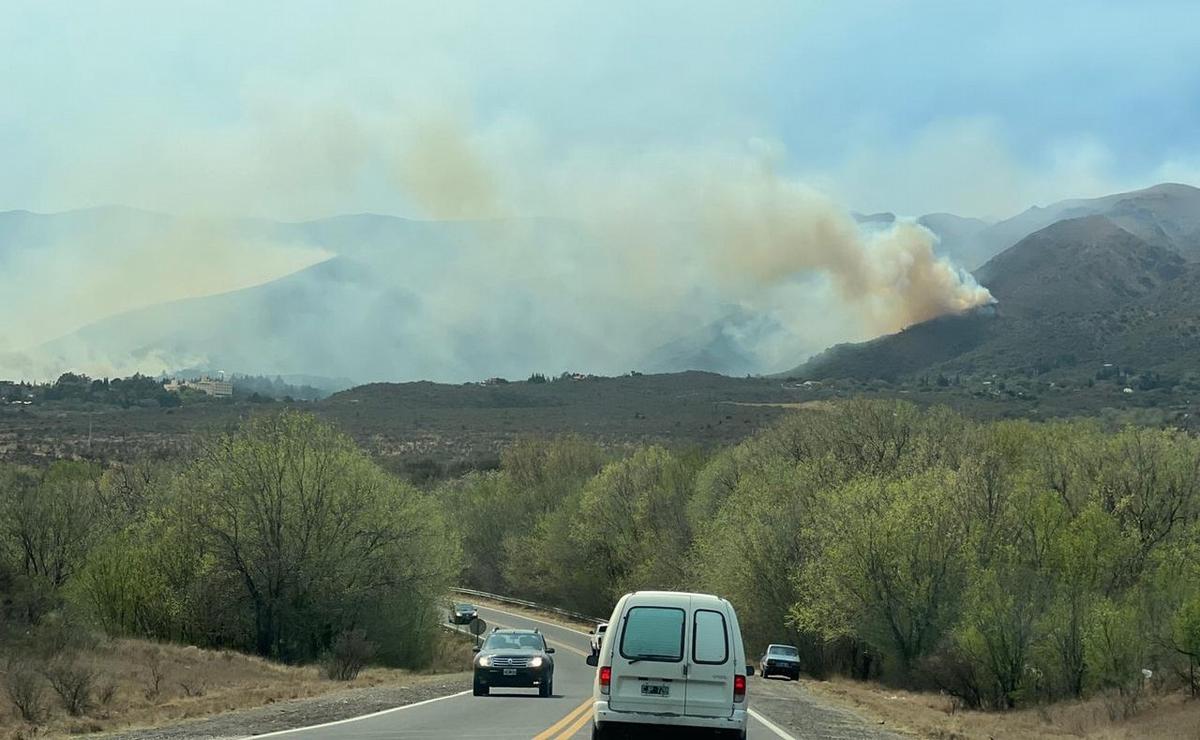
[
  {"x": 572, "y": 716},
  {"x": 575, "y": 728}
]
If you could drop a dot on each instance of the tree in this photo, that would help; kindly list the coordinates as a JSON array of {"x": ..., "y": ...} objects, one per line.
[
  {"x": 751, "y": 546},
  {"x": 320, "y": 539},
  {"x": 49, "y": 520},
  {"x": 633, "y": 526},
  {"x": 890, "y": 569}
]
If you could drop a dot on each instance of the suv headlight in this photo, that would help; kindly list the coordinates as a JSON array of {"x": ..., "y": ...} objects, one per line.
[
  {"x": 536, "y": 662},
  {"x": 484, "y": 662}
]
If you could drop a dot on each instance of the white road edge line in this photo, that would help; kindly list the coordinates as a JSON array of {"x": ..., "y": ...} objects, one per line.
[
  {"x": 355, "y": 719},
  {"x": 770, "y": 725},
  {"x": 753, "y": 713}
]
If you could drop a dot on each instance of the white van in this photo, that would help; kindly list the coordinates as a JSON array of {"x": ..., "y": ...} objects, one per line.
[{"x": 673, "y": 659}]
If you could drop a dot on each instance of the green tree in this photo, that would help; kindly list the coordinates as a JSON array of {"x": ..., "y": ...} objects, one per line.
[
  {"x": 891, "y": 566},
  {"x": 319, "y": 538},
  {"x": 633, "y": 526},
  {"x": 748, "y": 551}
]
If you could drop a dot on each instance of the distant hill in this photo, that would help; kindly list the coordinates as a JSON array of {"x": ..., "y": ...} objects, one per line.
[
  {"x": 1166, "y": 215},
  {"x": 1077, "y": 265},
  {"x": 1071, "y": 297}
]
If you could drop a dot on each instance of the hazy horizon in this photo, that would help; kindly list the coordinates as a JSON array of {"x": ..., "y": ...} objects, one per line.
[{"x": 752, "y": 131}]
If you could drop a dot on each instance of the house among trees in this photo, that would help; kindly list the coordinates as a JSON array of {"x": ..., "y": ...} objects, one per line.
[{"x": 206, "y": 385}]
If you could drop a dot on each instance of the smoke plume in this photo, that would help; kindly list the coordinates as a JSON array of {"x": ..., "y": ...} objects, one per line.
[{"x": 597, "y": 260}]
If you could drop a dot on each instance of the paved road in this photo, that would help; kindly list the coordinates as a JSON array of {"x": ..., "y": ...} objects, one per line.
[{"x": 517, "y": 713}]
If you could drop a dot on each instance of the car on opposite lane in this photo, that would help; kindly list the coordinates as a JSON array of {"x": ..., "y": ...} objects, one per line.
[
  {"x": 463, "y": 614},
  {"x": 780, "y": 660},
  {"x": 511, "y": 658}
]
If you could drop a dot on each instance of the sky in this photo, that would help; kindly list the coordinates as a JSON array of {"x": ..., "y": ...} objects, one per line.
[{"x": 974, "y": 108}]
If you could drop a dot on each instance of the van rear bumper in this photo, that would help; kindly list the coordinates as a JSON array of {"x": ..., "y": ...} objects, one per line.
[{"x": 602, "y": 714}]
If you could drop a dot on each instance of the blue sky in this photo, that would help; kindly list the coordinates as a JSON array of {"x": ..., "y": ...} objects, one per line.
[{"x": 976, "y": 108}]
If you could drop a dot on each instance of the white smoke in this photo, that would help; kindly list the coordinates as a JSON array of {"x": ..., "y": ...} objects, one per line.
[{"x": 577, "y": 259}]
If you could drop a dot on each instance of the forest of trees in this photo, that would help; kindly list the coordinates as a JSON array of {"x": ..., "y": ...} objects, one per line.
[{"x": 1006, "y": 563}]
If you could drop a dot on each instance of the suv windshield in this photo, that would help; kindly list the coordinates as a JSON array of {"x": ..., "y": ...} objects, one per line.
[
  {"x": 784, "y": 651},
  {"x": 511, "y": 641}
]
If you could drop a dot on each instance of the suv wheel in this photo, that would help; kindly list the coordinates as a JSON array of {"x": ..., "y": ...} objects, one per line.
[
  {"x": 599, "y": 733},
  {"x": 480, "y": 689},
  {"x": 546, "y": 688}
]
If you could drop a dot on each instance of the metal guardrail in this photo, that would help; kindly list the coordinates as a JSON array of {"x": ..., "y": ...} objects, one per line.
[{"x": 528, "y": 604}]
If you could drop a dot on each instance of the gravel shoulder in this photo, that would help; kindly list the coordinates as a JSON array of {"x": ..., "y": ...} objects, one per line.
[
  {"x": 289, "y": 715},
  {"x": 791, "y": 706}
]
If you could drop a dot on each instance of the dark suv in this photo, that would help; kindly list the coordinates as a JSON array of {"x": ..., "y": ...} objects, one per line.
[
  {"x": 463, "y": 614},
  {"x": 514, "y": 659}
]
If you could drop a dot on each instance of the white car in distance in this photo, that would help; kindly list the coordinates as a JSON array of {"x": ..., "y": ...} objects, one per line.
[{"x": 598, "y": 637}]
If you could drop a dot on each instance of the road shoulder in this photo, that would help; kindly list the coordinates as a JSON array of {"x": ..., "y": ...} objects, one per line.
[
  {"x": 299, "y": 713},
  {"x": 795, "y": 709}
]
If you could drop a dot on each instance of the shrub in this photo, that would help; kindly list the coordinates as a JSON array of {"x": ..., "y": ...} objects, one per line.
[
  {"x": 73, "y": 682},
  {"x": 157, "y": 671},
  {"x": 106, "y": 693},
  {"x": 26, "y": 690},
  {"x": 349, "y": 655}
]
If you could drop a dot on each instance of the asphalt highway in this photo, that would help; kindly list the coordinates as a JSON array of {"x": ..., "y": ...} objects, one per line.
[{"x": 507, "y": 713}]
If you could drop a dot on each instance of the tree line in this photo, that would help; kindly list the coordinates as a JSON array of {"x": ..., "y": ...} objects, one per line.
[{"x": 1005, "y": 563}]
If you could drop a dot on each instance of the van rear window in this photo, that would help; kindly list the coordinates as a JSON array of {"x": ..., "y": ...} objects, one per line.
[
  {"x": 653, "y": 633},
  {"x": 710, "y": 641}
]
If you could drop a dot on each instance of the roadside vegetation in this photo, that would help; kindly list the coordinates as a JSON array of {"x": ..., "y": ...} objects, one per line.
[
  {"x": 1008, "y": 564},
  {"x": 280, "y": 539},
  {"x": 1012, "y": 565}
]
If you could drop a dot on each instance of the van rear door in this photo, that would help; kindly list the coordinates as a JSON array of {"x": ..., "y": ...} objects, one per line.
[
  {"x": 650, "y": 658},
  {"x": 712, "y": 660}
]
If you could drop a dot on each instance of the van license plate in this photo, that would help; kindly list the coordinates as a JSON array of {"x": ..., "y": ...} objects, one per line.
[
  {"x": 656, "y": 689},
  {"x": 510, "y": 671}
]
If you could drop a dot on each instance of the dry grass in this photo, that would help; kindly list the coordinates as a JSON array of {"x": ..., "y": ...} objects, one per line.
[
  {"x": 146, "y": 684},
  {"x": 932, "y": 715}
]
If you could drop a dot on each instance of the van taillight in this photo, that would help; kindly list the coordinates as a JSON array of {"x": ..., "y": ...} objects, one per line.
[
  {"x": 606, "y": 679},
  {"x": 739, "y": 688}
]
